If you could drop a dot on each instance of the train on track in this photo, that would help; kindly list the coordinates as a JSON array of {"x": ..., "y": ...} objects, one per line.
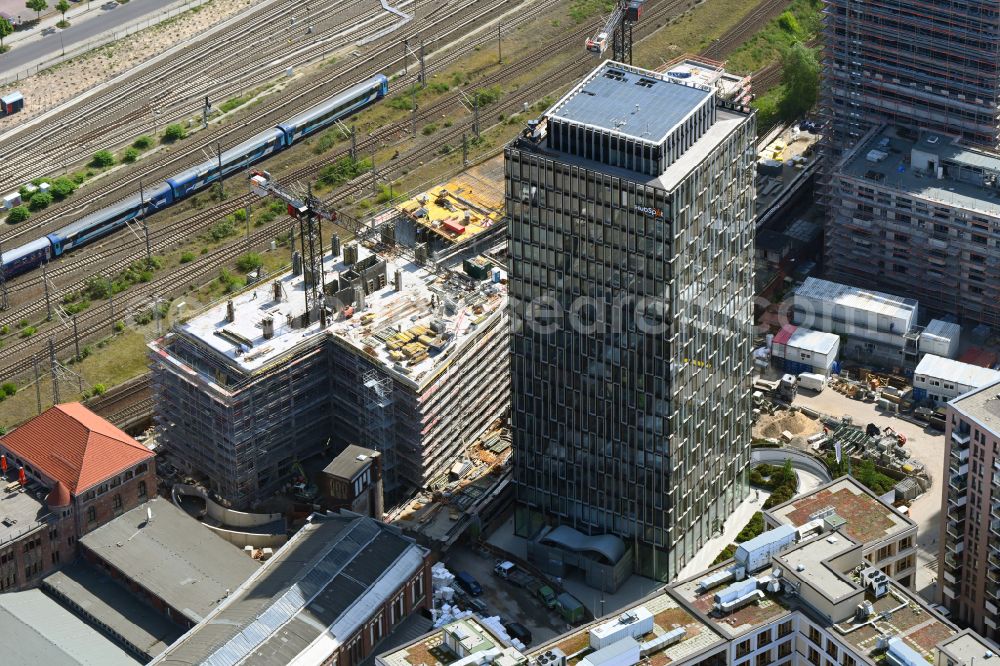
[{"x": 184, "y": 184}]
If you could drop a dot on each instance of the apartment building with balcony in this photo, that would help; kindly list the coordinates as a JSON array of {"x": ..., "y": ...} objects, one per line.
[{"x": 969, "y": 559}]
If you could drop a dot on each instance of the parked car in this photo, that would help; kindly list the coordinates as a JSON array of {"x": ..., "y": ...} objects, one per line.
[
  {"x": 547, "y": 595},
  {"x": 467, "y": 582},
  {"x": 518, "y": 631}
]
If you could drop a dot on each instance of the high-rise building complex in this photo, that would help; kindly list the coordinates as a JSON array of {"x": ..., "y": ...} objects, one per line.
[
  {"x": 969, "y": 561},
  {"x": 931, "y": 65},
  {"x": 631, "y": 207}
]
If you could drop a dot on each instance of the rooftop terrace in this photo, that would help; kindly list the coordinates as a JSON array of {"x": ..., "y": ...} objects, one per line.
[
  {"x": 20, "y": 511},
  {"x": 904, "y": 168},
  {"x": 868, "y": 519},
  {"x": 738, "y": 622},
  {"x": 431, "y": 315},
  {"x": 667, "y": 616}
]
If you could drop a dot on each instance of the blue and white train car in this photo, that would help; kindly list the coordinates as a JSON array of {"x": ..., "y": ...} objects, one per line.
[
  {"x": 328, "y": 112},
  {"x": 158, "y": 197},
  {"x": 95, "y": 225},
  {"x": 26, "y": 257},
  {"x": 238, "y": 157}
]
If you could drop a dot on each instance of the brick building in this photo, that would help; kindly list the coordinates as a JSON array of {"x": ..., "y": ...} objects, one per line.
[{"x": 79, "y": 472}]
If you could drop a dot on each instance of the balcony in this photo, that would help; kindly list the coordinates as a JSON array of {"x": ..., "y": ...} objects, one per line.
[
  {"x": 959, "y": 455},
  {"x": 959, "y": 501},
  {"x": 991, "y": 607},
  {"x": 955, "y": 530},
  {"x": 957, "y": 513},
  {"x": 959, "y": 482},
  {"x": 961, "y": 469},
  {"x": 955, "y": 547},
  {"x": 951, "y": 562},
  {"x": 962, "y": 439},
  {"x": 995, "y": 527}
]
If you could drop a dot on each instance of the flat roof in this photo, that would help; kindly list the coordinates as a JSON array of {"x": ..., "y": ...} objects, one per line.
[
  {"x": 895, "y": 172},
  {"x": 350, "y": 461},
  {"x": 709, "y": 73},
  {"x": 810, "y": 340},
  {"x": 739, "y": 621},
  {"x": 34, "y": 629},
  {"x": 869, "y": 520},
  {"x": 311, "y": 596},
  {"x": 173, "y": 556},
  {"x": 429, "y": 649},
  {"x": 460, "y": 304},
  {"x": 624, "y": 100},
  {"x": 968, "y": 646},
  {"x": 667, "y": 616},
  {"x": 20, "y": 510},
  {"x": 951, "y": 370},
  {"x": 114, "y": 607},
  {"x": 807, "y": 561},
  {"x": 858, "y": 298},
  {"x": 943, "y": 329},
  {"x": 983, "y": 405},
  {"x": 454, "y": 212}
]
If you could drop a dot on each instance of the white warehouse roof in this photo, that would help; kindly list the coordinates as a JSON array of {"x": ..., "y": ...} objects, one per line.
[
  {"x": 965, "y": 374},
  {"x": 814, "y": 341},
  {"x": 857, "y": 298},
  {"x": 943, "y": 329}
]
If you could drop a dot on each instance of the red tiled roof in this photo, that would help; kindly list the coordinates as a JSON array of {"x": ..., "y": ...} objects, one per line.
[
  {"x": 74, "y": 446},
  {"x": 59, "y": 496}
]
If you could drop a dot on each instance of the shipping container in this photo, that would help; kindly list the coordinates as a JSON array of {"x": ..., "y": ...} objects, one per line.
[{"x": 12, "y": 102}]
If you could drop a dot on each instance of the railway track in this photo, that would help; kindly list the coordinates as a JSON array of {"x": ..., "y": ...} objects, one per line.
[
  {"x": 268, "y": 113},
  {"x": 96, "y": 321},
  {"x": 750, "y": 25}
]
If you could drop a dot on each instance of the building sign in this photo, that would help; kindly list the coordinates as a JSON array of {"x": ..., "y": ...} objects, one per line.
[{"x": 650, "y": 212}]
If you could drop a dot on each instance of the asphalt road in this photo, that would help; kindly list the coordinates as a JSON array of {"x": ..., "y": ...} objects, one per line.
[{"x": 46, "y": 42}]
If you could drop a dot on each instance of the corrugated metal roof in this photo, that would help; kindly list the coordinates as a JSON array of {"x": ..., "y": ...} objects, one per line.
[
  {"x": 860, "y": 299},
  {"x": 815, "y": 341},
  {"x": 174, "y": 557},
  {"x": 943, "y": 329},
  {"x": 955, "y": 371},
  {"x": 34, "y": 629}
]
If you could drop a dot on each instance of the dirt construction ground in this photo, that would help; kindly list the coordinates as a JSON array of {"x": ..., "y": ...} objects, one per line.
[{"x": 925, "y": 445}]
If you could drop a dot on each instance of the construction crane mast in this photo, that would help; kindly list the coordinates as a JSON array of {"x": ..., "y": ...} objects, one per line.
[
  {"x": 307, "y": 210},
  {"x": 617, "y": 31}
]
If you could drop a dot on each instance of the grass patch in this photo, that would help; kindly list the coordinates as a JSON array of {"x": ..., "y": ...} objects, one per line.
[
  {"x": 581, "y": 10},
  {"x": 800, "y": 23},
  {"x": 233, "y": 103}
]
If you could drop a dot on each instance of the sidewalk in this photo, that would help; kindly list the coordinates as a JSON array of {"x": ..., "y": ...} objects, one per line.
[{"x": 92, "y": 24}]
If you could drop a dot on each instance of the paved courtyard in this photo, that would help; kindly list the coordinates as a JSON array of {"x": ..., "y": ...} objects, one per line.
[{"x": 926, "y": 446}]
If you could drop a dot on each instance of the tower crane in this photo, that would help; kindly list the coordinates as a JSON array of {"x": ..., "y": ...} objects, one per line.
[
  {"x": 307, "y": 210},
  {"x": 617, "y": 31}
]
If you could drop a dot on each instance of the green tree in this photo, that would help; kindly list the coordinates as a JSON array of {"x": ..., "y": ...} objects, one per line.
[
  {"x": 37, "y": 6},
  {"x": 6, "y": 27},
  {"x": 130, "y": 155},
  {"x": 800, "y": 76},
  {"x": 62, "y": 7},
  {"x": 62, "y": 187},
  {"x": 174, "y": 132},
  {"x": 102, "y": 158},
  {"x": 40, "y": 200},
  {"x": 18, "y": 214}
]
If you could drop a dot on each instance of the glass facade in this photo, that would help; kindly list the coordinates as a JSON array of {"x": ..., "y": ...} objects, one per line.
[{"x": 631, "y": 343}]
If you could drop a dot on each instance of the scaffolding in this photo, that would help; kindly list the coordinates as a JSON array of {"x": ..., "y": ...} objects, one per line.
[{"x": 378, "y": 419}]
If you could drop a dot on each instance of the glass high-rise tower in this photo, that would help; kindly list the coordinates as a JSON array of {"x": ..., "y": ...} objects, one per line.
[{"x": 631, "y": 207}]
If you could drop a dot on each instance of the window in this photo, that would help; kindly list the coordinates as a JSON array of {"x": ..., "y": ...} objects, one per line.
[
  {"x": 784, "y": 629},
  {"x": 763, "y": 659},
  {"x": 375, "y": 629},
  {"x": 743, "y": 648},
  {"x": 418, "y": 588},
  {"x": 785, "y": 649},
  {"x": 814, "y": 636},
  {"x": 117, "y": 502},
  {"x": 397, "y": 609},
  {"x": 141, "y": 469},
  {"x": 142, "y": 490},
  {"x": 91, "y": 515},
  {"x": 356, "y": 651}
]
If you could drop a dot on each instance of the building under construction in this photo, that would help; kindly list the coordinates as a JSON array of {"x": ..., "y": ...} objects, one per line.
[
  {"x": 931, "y": 65},
  {"x": 918, "y": 214},
  {"x": 411, "y": 362}
]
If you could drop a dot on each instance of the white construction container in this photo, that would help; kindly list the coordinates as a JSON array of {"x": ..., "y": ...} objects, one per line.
[
  {"x": 735, "y": 591},
  {"x": 11, "y": 200},
  {"x": 626, "y": 652},
  {"x": 863, "y": 313},
  {"x": 940, "y": 338},
  {"x": 940, "y": 379},
  {"x": 632, "y": 623},
  {"x": 805, "y": 350},
  {"x": 756, "y": 553}
]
